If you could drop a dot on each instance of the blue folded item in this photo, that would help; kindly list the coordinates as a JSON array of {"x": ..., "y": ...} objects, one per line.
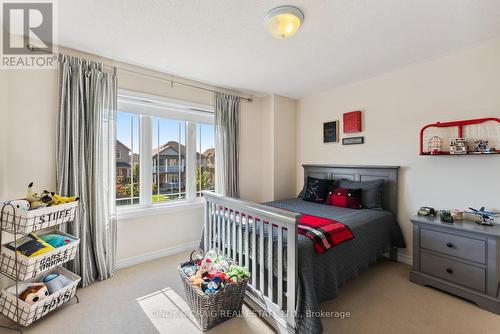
[{"x": 56, "y": 282}]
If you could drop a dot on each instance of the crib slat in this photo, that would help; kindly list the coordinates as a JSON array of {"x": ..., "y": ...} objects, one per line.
[
  {"x": 261, "y": 255},
  {"x": 270, "y": 267},
  {"x": 228, "y": 233},
  {"x": 223, "y": 244},
  {"x": 240, "y": 240},
  {"x": 247, "y": 256},
  {"x": 235, "y": 228},
  {"x": 207, "y": 231},
  {"x": 280, "y": 267},
  {"x": 254, "y": 251}
]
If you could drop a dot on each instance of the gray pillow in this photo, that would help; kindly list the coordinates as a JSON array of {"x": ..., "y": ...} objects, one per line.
[{"x": 371, "y": 196}]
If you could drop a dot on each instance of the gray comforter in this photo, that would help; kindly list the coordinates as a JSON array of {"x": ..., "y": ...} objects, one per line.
[{"x": 321, "y": 275}]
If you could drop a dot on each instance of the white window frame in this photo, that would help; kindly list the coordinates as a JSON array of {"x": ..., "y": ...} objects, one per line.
[
  {"x": 118, "y": 154},
  {"x": 149, "y": 106}
]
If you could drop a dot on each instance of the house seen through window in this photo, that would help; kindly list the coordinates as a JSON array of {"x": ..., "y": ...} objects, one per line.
[{"x": 170, "y": 145}]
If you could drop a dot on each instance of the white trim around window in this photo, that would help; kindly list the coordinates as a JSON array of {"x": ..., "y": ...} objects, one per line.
[{"x": 148, "y": 107}]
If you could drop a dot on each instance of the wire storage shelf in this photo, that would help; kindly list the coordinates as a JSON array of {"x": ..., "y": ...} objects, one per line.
[
  {"x": 28, "y": 272},
  {"x": 24, "y": 313},
  {"x": 19, "y": 221}
]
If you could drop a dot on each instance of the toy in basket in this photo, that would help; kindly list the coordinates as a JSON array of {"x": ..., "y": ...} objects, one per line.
[
  {"x": 37, "y": 211},
  {"x": 215, "y": 287}
]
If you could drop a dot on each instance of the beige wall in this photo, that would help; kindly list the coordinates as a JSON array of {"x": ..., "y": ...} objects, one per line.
[
  {"x": 278, "y": 133},
  {"x": 396, "y": 105},
  {"x": 285, "y": 140},
  {"x": 29, "y": 138}
]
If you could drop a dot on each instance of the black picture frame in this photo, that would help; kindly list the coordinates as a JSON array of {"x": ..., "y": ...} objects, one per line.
[
  {"x": 353, "y": 140},
  {"x": 331, "y": 132}
]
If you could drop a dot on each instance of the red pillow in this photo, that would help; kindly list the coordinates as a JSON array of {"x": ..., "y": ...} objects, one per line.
[{"x": 346, "y": 198}]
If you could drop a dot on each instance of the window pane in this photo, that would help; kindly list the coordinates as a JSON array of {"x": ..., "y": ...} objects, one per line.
[
  {"x": 205, "y": 158},
  {"x": 169, "y": 160},
  {"x": 127, "y": 159}
]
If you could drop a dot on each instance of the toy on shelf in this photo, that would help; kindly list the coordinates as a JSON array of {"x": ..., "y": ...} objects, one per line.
[
  {"x": 445, "y": 216},
  {"x": 487, "y": 217},
  {"x": 63, "y": 199},
  {"x": 426, "y": 211},
  {"x": 47, "y": 198},
  {"x": 435, "y": 145},
  {"x": 30, "y": 246},
  {"x": 34, "y": 293},
  {"x": 56, "y": 282},
  {"x": 35, "y": 199},
  {"x": 459, "y": 146},
  {"x": 481, "y": 147},
  {"x": 56, "y": 240}
]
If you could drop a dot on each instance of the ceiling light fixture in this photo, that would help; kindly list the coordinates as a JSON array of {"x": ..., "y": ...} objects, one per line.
[{"x": 283, "y": 22}]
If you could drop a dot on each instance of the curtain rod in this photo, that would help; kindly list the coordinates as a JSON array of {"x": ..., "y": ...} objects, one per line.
[{"x": 32, "y": 48}]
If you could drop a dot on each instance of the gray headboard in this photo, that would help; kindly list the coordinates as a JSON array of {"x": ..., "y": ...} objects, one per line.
[{"x": 361, "y": 173}]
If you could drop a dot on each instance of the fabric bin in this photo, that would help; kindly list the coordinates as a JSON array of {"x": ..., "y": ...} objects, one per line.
[
  {"x": 29, "y": 267},
  {"x": 20, "y": 221},
  {"x": 30, "y": 313},
  {"x": 211, "y": 310}
]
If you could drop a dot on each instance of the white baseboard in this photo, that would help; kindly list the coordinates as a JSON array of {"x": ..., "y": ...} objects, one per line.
[
  {"x": 403, "y": 258},
  {"x": 132, "y": 261}
]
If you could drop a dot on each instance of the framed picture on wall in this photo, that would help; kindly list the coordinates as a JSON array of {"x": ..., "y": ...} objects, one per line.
[{"x": 331, "y": 132}]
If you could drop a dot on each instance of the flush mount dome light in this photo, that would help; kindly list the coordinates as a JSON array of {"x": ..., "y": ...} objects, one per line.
[{"x": 283, "y": 22}]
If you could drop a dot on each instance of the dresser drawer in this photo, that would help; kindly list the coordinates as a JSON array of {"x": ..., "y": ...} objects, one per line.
[
  {"x": 454, "y": 245},
  {"x": 456, "y": 272}
]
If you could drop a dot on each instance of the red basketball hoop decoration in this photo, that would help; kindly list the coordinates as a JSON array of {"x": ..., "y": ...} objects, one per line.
[
  {"x": 435, "y": 145},
  {"x": 433, "y": 136}
]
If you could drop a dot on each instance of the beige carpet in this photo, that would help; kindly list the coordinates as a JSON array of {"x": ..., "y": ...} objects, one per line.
[{"x": 146, "y": 299}]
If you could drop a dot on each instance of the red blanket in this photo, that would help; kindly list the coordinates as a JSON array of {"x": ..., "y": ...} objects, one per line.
[{"x": 324, "y": 233}]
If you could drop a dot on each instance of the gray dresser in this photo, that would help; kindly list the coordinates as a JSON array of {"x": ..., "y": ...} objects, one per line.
[{"x": 461, "y": 258}]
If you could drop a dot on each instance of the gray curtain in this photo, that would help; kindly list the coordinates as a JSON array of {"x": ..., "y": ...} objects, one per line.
[
  {"x": 85, "y": 161},
  {"x": 227, "y": 128}
]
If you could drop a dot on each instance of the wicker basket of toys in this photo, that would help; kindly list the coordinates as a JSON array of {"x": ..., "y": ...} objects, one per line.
[{"x": 215, "y": 288}]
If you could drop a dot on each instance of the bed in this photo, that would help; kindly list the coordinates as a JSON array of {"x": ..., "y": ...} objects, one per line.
[{"x": 289, "y": 279}]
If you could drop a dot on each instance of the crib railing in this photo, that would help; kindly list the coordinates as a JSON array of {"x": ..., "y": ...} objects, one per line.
[{"x": 260, "y": 238}]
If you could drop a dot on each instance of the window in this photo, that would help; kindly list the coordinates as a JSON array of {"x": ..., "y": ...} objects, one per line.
[
  {"x": 127, "y": 168},
  {"x": 205, "y": 158},
  {"x": 179, "y": 154},
  {"x": 169, "y": 149}
]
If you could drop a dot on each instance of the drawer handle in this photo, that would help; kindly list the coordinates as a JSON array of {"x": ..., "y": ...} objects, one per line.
[
  {"x": 449, "y": 270},
  {"x": 449, "y": 245}
]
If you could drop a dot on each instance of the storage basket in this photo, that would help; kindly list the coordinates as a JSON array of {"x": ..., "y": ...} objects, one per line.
[
  {"x": 30, "y": 313},
  {"x": 29, "y": 267},
  {"x": 210, "y": 310},
  {"x": 20, "y": 221}
]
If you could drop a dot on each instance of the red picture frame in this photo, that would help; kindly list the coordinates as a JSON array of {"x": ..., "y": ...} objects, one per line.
[{"x": 352, "y": 122}]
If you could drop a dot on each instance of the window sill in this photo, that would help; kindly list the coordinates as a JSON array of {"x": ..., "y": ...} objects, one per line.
[{"x": 158, "y": 209}]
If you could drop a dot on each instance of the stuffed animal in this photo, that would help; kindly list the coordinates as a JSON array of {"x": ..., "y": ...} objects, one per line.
[
  {"x": 214, "y": 285},
  {"x": 56, "y": 282},
  {"x": 236, "y": 273},
  {"x": 47, "y": 198},
  {"x": 56, "y": 240},
  {"x": 19, "y": 204},
  {"x": 34, "y": 293},
  {"x": 34, "y": 198},
  {"x": 62, "y": 199},
  {"x": 196, "y": 279}
]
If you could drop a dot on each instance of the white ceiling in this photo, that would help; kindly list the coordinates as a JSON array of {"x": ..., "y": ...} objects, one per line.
[{"x": 223, "y": 42}]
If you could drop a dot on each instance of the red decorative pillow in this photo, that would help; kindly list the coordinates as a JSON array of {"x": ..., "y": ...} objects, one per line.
[{"x": 346, "y": 198}]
